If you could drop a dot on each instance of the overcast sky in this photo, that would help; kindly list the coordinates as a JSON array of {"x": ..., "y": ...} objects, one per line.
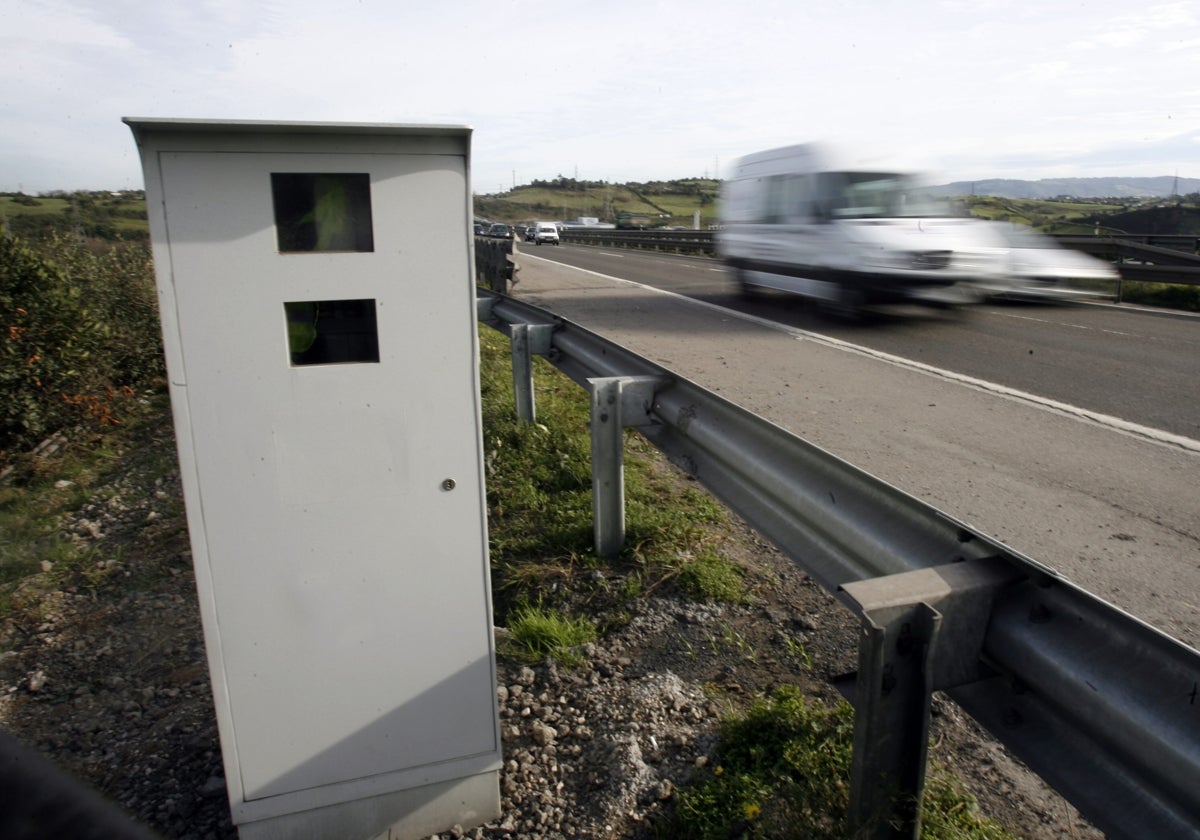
[{"x": 619, "y": 91}]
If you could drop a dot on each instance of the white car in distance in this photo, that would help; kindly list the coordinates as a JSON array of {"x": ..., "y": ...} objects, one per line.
[{"x": 544, "y": 232}]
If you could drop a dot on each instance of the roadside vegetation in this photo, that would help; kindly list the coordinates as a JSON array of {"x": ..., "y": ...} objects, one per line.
[
  {"x": 782, "y": 772},
  {"x": 80, "y": 339},
  {"x": 81, "y": 372},
  {"x": 95, "y": 215},
  {"x": 540, "y": 507},
  {"x": 1061, "y": 216}
]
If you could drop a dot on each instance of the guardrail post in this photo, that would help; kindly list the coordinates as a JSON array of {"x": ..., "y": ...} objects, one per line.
[
  {"x": 617, "y": 402},
  {"x": 921, "y": 631},
  {"x": 526, "y": 340}
]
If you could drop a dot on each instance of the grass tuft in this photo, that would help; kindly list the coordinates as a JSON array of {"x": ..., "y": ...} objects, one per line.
[{"x": 536, "y": 633}]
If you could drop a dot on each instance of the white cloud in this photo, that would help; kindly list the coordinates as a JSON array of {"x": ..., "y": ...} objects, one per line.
[{"x": 624, "y": 91}]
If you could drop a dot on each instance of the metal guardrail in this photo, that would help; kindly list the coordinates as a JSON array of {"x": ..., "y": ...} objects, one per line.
[
  {"x": 1103, "y": 706},
  {"x": 1158, "y": 259},
  {"x": 683, "y": 241},
  {"x": 495, "y": 264},
  {"x": 1155, "y": 258}
]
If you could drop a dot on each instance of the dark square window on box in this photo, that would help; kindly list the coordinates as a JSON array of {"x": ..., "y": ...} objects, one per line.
[
  {"x": 322, "y": 212},
  {"x": 331, "y": 332}
]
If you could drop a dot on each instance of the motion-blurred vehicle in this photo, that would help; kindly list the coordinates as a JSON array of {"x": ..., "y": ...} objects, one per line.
[
  {"x": 546, "y": 232},
  {"x": 1037, "y": 267},
  {"x": 500, "y": 231},
  {"x": 792, "y": 220}
]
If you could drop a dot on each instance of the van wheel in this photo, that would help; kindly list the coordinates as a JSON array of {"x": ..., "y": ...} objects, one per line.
[
  {"x": 850, "y": 305},
  {"x": 747, "y": 291}
]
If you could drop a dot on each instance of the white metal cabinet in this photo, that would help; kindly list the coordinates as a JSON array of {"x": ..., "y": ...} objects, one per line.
[{"x": 336, "y": 503}]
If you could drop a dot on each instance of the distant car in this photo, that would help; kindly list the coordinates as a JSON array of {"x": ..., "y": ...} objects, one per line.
[
  {"x": 1036, "y": 267},
  {"x": 481, "y": 230},
  {"x": 546, "y": 232},
  {"x": 530, "y": 233},
  {"x": 500, "y": 231}
]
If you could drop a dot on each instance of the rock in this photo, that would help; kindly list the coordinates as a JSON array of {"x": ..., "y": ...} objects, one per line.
[{"x": 543, "y": 734}]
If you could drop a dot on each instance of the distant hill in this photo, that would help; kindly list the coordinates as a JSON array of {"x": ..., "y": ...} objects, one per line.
[
  {"x": 672, "y": 203},
  {"x": 1163, "y": 186}
]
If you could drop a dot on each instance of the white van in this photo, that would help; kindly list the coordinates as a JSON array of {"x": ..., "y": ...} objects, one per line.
[
  {"x": 546, "y": 232},
  {"x": 791, "y": 220}
]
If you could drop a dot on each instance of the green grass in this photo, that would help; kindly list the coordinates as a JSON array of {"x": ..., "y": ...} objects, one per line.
[
  {"x": 33, "y": 501},
  {"x": 711, "y": 577},
  {"x": 1049, "y": 216},
  {"x": 536, "y": 633},
  {"x": 99, "y": 215},
  {"x": 782, "y": 772},
  {"x": 1166, "y": 295},
  {"x": 10, "y": 206},
  {"x": 540, "y": 504},
  {"x": 40, "y": 495}
]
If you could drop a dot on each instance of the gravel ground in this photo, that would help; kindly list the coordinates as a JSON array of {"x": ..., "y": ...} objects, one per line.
[{"x": 107, "y": 677}]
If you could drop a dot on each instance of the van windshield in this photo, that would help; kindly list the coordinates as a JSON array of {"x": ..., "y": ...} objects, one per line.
[{"x": 877, "y": 195}]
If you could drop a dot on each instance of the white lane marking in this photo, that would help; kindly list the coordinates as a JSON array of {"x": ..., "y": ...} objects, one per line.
[
  {"x": 1069, "y": 325},
  {"x": 1137, "y": 430}
]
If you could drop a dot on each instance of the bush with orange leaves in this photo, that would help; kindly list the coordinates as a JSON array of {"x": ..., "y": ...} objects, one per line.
[{"x": 79, "y": 337}]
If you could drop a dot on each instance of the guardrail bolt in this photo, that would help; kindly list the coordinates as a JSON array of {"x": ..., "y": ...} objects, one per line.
[
  {"x": 449, "y": 484},
  {"x": 905, "y": 642},
  {"x": 888, "y": 682}
]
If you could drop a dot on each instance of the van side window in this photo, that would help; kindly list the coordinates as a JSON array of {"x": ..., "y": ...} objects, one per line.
[
  {"x": 799, "y": 198},
  {"x": 789, "y": 199},
  {"x": 829, "y": 196},
  {"x": 776, "y": 200}
]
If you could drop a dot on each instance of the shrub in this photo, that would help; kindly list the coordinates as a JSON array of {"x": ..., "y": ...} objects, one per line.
[{"x": 79, "y": 336}]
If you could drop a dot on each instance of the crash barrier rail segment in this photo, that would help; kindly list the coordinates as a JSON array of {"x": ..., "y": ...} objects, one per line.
[
  {"x": 495, "y": 263},
  {"x": 1158, "y": 259},
  {"x": 1103, "y": 706},
  {"x": 683, "y": 241},
  {"x": 1155, "y": 258}
]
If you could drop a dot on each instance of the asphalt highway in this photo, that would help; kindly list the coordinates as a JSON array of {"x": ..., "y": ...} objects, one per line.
[
  {"x": 1137, "y": 364},
  {"x": 1067, "y": 432}
]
